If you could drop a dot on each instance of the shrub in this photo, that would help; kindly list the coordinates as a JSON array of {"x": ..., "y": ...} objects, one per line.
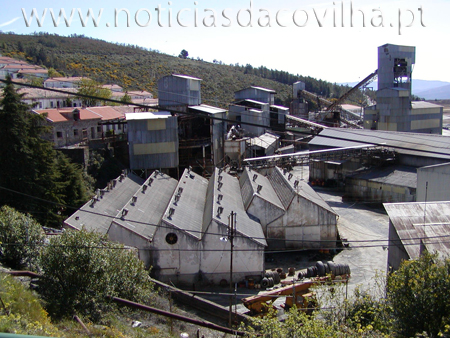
[
  {"x": 20, "y": 239},
  {"x": 81, "y": 270}
]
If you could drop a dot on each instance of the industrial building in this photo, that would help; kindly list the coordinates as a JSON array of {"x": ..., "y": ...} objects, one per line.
[
  {"x": 394, "y": 110},
  {"x": 255, "y": 116},
  {"x": 433, "y": 182},
  {"x": 415, "y": 228},
  {"x": 256, "y": 105},
  {"x": 184, "y": 229},
  {"x": 97, "y": 214},
  {"x": 382, "y": 184},
  {"x": 152, "y": 140},
  {"x": 365, "y": 171},
  {"x": 291, "y": 213},
  {"x": 179, "y": 91},
  {"x": 201, "y": 131}
]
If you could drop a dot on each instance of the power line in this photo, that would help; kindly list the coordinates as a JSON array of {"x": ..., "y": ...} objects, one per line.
[
  {"x": 256, "y": 238},
  {"x": 247, "y": 123}
]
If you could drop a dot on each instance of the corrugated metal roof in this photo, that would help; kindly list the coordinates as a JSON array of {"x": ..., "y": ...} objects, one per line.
[
  {"x": 228, "y": 187},
  {"x": 208, "y": 109},
  {"x": 264, "y": 141},
  {"x": 144, "y": 212},
  {"x": 394, "y": 175},
  {"x": 252, "y": 179},
  {"x": 98, "y": 216},
  {"x": 428, "y": 221},
  {"x": 252, "y": 101},
  {"x": 279, "y": 107},
  {"x": 259, "y": 88},
  {"x": 186, "y": 77},
  {"x": 410, "y": 143},
  {"x": 287, "y": 186},
  {"x": 188, "y": 207},
  {"x": 147, "y": 116},
  {"x": 423, "y": 104}
]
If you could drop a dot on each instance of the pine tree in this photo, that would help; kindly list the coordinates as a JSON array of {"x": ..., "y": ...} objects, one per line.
[{"x": 31, "y": 179}]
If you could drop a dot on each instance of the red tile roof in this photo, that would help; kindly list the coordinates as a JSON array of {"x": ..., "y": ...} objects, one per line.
[
  {"x": 107, "y": 113},
  {"x": 66, "y": 114}
]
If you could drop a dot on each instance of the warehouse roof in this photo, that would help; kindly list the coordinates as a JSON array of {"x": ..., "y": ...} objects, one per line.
[
  {"x": 143, "y": 212},
  {"x": 97, "y": 214},
  {"x": 187, "y": 204},
  {"x": 253, "y": 183},
  {"x": 226, "y": 198},
  {"x": 394, "y": 175},
  {"x": 287, "y": 186},
  {"x": 425, "y": 145},
  {"x": 426, "y": 223}
]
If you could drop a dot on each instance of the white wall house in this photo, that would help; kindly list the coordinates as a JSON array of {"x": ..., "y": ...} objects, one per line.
[{"x": 64, "y": 82}]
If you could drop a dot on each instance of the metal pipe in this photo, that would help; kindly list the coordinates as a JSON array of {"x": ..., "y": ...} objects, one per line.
[
  {"x": 82, "y": 324},
  {"x": 178, "y": 317}
]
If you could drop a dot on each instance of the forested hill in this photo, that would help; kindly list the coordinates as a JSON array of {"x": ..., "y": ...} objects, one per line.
[{"x": 134, "y": 67}]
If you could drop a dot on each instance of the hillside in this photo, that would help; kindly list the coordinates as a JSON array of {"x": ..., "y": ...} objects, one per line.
[
  {"x": 439, "y": 93},
  {"x": 134, "y": 67}
]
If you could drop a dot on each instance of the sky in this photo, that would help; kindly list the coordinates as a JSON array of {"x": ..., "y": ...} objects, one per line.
[{"x": 335, "y": 41}]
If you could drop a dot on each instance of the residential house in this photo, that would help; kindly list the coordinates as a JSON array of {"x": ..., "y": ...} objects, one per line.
[
  {"x": 44, "y": 99},
  {"x": 65, "y": 82},
  {"x": 75, "y": 125}
]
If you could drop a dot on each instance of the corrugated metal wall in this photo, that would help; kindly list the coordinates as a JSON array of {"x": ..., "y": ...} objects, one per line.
[
  {"x": 153, "y": 143},
  {"x": 175, "y": 91}
]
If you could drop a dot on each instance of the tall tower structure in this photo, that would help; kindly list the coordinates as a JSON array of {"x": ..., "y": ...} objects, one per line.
[{"x": 395, "y": 110}]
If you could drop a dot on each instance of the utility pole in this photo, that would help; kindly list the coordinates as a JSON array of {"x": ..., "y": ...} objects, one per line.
[{"x": 231, "y": 234}]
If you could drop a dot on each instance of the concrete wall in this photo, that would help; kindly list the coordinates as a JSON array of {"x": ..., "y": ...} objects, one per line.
[
  {"x": 127, "y": 237},
  {"x": 307, "y": 224},
  {"x": 178, "y": 263},
  {"x": 437, "y": 178},
  {"x": 248, "y": 256},
  {"x": 396, "y": 250},
  {"x": 73, "y": 132},
  {"x": 377, "y": 192},
  {"x": 191, "y": 261}
]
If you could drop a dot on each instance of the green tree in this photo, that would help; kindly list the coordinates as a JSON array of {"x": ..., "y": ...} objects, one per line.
[
  {"x": 53, "y": 73},
  {"x": 94, "y": 90},
  {"x": 26, "y": 160},
  {"x": 81, "y": 270},
  {"x": 20, "y": 239},
  {"x": 126, "y": 98},
  {"x": 183, "y": 54},
  {"x": 418, "y": 292},
  {"x": 30, "y": 178},
  {"x": 72, "y": 185}
]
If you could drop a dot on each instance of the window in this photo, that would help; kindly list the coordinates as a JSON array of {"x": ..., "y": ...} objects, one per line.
[
  {"x": 75, "y": 132},
  {"x": 59, "y": 134},
  {"x": 99, "y": 129},
  {"x": 171, "y": 238}
]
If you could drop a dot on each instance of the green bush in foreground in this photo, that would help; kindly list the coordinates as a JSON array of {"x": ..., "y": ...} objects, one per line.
[
  {"x": 20, "y": 239},
  {"x": 20, "y": 310},
  {"x": 81, "y": 270}
]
